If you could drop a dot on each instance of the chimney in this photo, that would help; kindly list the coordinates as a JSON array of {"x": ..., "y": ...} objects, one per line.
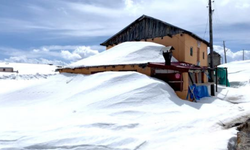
[{"x": 167, "y": 54}]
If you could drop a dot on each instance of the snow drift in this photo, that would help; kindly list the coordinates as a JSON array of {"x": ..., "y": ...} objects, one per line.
[
  {"x": 125, "y": 53},
  {"x": 238, "y": 71},
  {"x": 107, "y": 111},
  {"x": 115, "y": 110}
]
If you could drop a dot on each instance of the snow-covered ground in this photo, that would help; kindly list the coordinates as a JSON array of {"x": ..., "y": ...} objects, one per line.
[
  {"x": 116, "y": 111},
  {"x": 26, "y": 74},
  {"x": 238, "y": 71},
  {"x": 24, "y": 68}
]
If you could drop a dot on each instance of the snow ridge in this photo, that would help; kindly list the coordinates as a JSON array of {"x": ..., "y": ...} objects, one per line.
[{"x": 11, "y": 76}]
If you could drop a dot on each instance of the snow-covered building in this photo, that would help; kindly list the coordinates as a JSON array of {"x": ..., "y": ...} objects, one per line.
[
  {"x": 146, "y": 58},
  {"x": 6, "y": 69},
  {"x": 188, "y": 47},
  {"x": 146, "y": 46}
]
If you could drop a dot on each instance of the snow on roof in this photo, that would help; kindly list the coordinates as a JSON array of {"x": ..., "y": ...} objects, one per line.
[{"x": 125, "y": 53}]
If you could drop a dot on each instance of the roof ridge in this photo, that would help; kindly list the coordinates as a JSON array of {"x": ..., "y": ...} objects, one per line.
[{"x": 165, "y": 23}]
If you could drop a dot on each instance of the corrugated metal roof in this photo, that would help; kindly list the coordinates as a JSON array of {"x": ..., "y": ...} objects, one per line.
[{"x": 166, "y": 29}]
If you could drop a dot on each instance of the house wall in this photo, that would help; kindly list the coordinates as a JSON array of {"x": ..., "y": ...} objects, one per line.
[
  {"x": 110, "y": 46},
  {"x": 175, "y": 41},
  {"x": 202, "y": 80},
  {"x": 183, "y": 94},
  {"x": 91, "y": 70},
  {"x": 182, "y": 44},
  {"x": 191, "y": 42}
]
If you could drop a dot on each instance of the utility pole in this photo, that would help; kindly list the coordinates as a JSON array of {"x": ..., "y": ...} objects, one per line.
[
  {"x": 243, "y": 54},
  {"x": 211, "y": 72},
  {"x": 225, "y": 52}
]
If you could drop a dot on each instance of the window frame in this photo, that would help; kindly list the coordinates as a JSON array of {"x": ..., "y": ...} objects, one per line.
[{"x": 191, "y": 51}]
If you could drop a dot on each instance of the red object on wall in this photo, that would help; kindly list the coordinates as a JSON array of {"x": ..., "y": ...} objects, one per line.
[{"x": 177, "y": 76}]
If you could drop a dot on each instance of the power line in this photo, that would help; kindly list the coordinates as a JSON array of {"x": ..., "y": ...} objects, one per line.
[{"x": 205, "y": 29}]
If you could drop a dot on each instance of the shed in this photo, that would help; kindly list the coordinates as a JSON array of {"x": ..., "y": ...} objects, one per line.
[
  {"x": 6, "y": 69},
  {"x": 216, "y": 59}
]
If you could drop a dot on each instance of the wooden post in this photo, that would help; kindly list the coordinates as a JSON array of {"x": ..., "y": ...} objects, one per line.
[
  {"x": 216, "y": 79},
  {"x": 226, "y": 78},
  {"x": 211, "y": 47}
]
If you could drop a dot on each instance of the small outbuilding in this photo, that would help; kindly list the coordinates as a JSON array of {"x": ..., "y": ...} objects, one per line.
[
  {"x": 216, "y": 59},
  {"x": 6, "y": 69}
]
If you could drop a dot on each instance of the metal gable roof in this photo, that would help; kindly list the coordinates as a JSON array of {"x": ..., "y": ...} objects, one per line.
[{"x": 174, "y": 30}]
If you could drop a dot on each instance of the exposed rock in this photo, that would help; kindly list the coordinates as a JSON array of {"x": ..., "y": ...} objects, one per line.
[
  {"x": 232, "y": 143},
  {"x": 245, "y": 127},
  {"x": 243, "y": 136}
]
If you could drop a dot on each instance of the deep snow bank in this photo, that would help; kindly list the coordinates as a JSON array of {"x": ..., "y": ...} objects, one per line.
[
  {"x": 101, "y": 111},
  {"x": 107, "y": 111},
  {"x": 125, "y": 53}
]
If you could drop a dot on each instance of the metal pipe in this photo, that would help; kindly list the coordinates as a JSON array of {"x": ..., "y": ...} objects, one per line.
[{"x": 216, "y": 79}]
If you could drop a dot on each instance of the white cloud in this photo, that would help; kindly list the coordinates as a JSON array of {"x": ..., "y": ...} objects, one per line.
[
  {"x": 36, "y": 50},
  {"x": 24, "y": 59},
  {"x": 94, "y": 9},
  {"x": 95, "y": 18},
  {"x": 232, "y": 56},
  {"x": 132, "y": 7},
  {"x": 54, "y": 54},
  {"x": 79, "y": 53},
  {"x": 129, "y": 3},
  {"x": 67, "y": 47},
  {"x": 70, "y": 56}
]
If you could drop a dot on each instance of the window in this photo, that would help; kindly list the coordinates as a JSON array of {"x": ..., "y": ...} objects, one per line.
[
  {"x": 198, "y": 44},
  {"x": 191, "y": 51},
  {"x": 203, "y": 55}
]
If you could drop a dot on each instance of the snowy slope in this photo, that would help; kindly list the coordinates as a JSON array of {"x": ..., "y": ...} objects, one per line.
[
  {"x": 116, "y": 111},
  {"x": 239, "y": 77},
  {"x": 24, "y": 68},
  {"x": 125, "y": 53},
  {"x": 110, "y": 110},
  {"x": 238, "y": 71},
  {"x": 26, "y": 71},
  {"x": 24, "y": 75}
]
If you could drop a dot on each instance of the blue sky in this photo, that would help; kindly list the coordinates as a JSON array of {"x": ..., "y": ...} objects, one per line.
[{"x": 63, "y": 31}]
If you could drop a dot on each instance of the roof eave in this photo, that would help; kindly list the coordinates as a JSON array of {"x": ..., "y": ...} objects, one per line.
[{"x": 105, "y": 43}]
